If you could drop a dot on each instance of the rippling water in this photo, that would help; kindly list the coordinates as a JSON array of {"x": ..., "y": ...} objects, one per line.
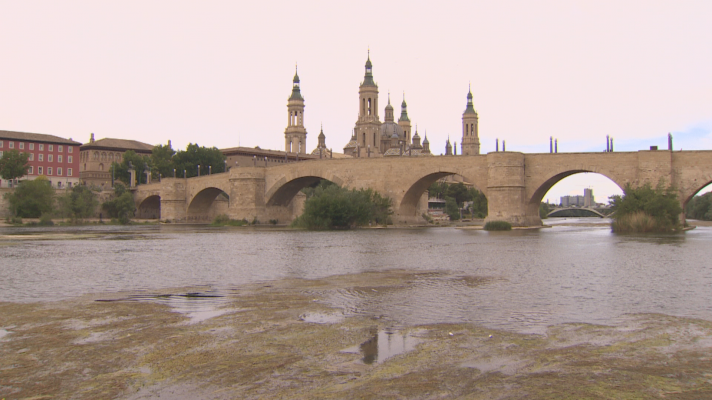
[{"x": 519, "y": 280}]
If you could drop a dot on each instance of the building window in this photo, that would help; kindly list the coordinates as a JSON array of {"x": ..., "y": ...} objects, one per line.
[
  {"x": 32, "y": 156},
  {"x": 59, "y": 171},
  {"x": 32, "y": 146},
  {"x": 70, "y": 149},
  {"x": 0, "y": 154},
  {"x": 22, "y": 146},
  {"x": 69, "y": 170},
  {"x": 51, "y": 147},
  {"x": 41, "y": 147},
  {"x": 49, "y": 170},
  {"x": 50, "y": 157},
  {"x": 59, "y": 158},
  {"x": 39, "y": 170},
  {"x": 69, "y": 158},
  {"x": 12, "y": 145},
  {"x": 40, "y": 157},
  {"x": 30, "y": 171},
  {"x": 0, "y": 144},
  {"x": 60, "y": 148}
]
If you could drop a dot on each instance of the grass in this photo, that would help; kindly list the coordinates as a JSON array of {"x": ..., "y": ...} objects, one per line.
[
  {"x": 224, "y": 220},
  {"x": 640, "y": 222}
]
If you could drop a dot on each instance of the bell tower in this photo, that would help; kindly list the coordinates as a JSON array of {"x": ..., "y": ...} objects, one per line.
[
  {"x": 470, "y": 134},
  {"x": 404, "y": 121},
  {"x": 368, "y": 123},
  {"x": 295, "y": 136}
]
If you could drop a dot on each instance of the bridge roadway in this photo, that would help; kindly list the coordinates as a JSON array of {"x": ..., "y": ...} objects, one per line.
[{"x": 514, "y": 183}]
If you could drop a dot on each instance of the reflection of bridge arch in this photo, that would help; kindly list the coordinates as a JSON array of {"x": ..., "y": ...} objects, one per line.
[
  {"x": 149, "y": 208},
  {"x": 409, "y": 203},
  {"x": 205, "y": 205},
  {"x": 567, "y": 211},
  {"x": 284, "y": 190}
]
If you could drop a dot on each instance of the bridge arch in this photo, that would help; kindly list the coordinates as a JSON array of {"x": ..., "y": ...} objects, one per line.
[
  {"x": 687, "y": 195},
  {"x": 408, "y": 206},
  {"x": 549, "y": 181},
  {"x": 207, "y": 204},
  {"x": 149, "y": 208},
  {"x": 284, "y": 190}
]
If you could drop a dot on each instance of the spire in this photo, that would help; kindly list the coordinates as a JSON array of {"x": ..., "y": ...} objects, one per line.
[
  {"x": 296, "y": 93},
  {"x": 470, "y": 108},
  {"x": 404, "y": 110},
  {"x": 368, "y": 78}
]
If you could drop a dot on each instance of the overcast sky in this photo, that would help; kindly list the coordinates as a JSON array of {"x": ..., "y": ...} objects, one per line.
[{"x": 219, "y": 72}]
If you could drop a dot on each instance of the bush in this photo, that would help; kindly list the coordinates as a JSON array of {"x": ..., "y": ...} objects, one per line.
[
  {"x": 31, "y": 199},
  {"x": 224, "y": 220},
  {"x": 332, "y": 207},
  {"x": 46, "y": 220},
  {"x": 498, "y": 226},
  {"x": 79, "y": 203},
  {"x": 644, "y": 209},
  {"x": 14, "y": 220},
  {"x": 122, "y": 206}
]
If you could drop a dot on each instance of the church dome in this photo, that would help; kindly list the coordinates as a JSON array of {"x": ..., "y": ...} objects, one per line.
[{"x": 391, "y": 129}]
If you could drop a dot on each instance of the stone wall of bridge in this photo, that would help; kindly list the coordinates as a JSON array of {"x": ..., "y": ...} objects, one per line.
[{"x": 514, "y": 183}]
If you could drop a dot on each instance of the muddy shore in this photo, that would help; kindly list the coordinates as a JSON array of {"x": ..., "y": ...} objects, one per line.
[{"x": 280, "y": 340}]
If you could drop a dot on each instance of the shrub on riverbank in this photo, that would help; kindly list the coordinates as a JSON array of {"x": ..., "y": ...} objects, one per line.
[
  {"x": 497, "y": 226},
  {"x": 332, "y": 207},
  {"x": 224, "y": 220},
  {"x": 644, "y": 209}
]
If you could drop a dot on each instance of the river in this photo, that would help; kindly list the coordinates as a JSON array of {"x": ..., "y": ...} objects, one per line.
[{"x": 521, "y": 280}]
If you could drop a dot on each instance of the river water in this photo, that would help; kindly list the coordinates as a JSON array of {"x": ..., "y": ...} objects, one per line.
[{"x": 520, "y": 280}]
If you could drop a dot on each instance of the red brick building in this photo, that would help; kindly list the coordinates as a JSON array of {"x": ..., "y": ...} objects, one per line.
[{"x": 52, "y": 156}]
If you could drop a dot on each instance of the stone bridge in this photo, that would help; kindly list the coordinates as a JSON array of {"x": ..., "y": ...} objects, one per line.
[{"x": 514, "y": 183}]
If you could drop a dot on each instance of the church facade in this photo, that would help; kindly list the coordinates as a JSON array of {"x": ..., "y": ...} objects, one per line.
[{"x": 372, "y": 137}]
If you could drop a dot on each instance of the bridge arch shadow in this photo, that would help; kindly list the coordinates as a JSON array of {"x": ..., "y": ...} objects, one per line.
[
  {"x": 149, "y": 208},
  {"x": 409, "y": 204},
  {"x": 544, "y": 188},
  {"x": 207, "y": 204}
]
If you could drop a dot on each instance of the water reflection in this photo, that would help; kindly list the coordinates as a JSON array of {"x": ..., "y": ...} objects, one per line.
[
  {"x": 519, "y": 280},
  {"x": 385, "y": 344}
]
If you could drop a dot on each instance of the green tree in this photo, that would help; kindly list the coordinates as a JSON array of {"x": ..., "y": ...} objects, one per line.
[
  {"x": 162, "y": 161},
  {"x": 700, "y": 207},
  {"x": 544, "y": 210},
  {"x": 189, "y": 159},
  {"x": 478, "y": 209},
  {"x": 660, "y": 205},
  {"x": 121, "y": 206},
  {"x": 14, "y": 164},
  {"x": 451, "y": 208},
  {"x": 332, "y": 207},
  {"x": 80, "y": 202},
  {"x": 32, "y": 198},
  {"x": 140, "y": 163}
]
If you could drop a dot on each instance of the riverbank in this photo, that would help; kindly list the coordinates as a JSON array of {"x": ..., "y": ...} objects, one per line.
[{"x": 282, "y": 340}]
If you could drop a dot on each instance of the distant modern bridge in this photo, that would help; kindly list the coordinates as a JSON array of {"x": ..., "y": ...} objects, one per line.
[
  {"x": 514, "y": 183},
  {"x": 565, "y": 212}
]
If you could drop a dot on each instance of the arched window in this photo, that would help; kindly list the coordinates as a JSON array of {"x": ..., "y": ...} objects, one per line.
[
  {"x": 363, "y": 107},
  {"x": 118, "y": 157},
  {"x": 96, "y": 156},
  {"x": 101, "y": 167},
  {"x": 103, "y": 156},
  {"x": 111, "y": 157},
  {"x": 369, "y": 106}
]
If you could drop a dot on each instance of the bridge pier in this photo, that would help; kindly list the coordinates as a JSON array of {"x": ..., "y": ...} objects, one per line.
[
  {"x": 173, "y": 206},
  {"x": 506, "y": 190}
]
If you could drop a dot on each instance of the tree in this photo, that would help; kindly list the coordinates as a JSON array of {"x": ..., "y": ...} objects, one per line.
[
  {"x": 162, "y": 160},
  {"x": 544, "y": 210},
  {"x": 332, "y": 207},
  {"x": 32, "y": 198},
  {"x": 643, "y": 203},
  {"x": 80, "y": 202},
  {"x": 451, "y": 208},
  {"x": 193, "y": 156},
  {"x": 478, "y": 209},
  {"x": 122, "y": 206},
  {"x": 14, "y": 164},
  {"x": 139, "y": 163},
  {"x": 700, "y": 207}
]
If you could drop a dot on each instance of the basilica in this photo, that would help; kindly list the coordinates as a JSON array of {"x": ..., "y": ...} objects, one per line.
[{"x": 372, "y": 137}]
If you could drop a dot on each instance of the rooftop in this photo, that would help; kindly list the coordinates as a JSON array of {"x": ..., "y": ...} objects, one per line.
[
  {"x": 119, "y": 144},
  {"x": 36, "y": 137}
]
